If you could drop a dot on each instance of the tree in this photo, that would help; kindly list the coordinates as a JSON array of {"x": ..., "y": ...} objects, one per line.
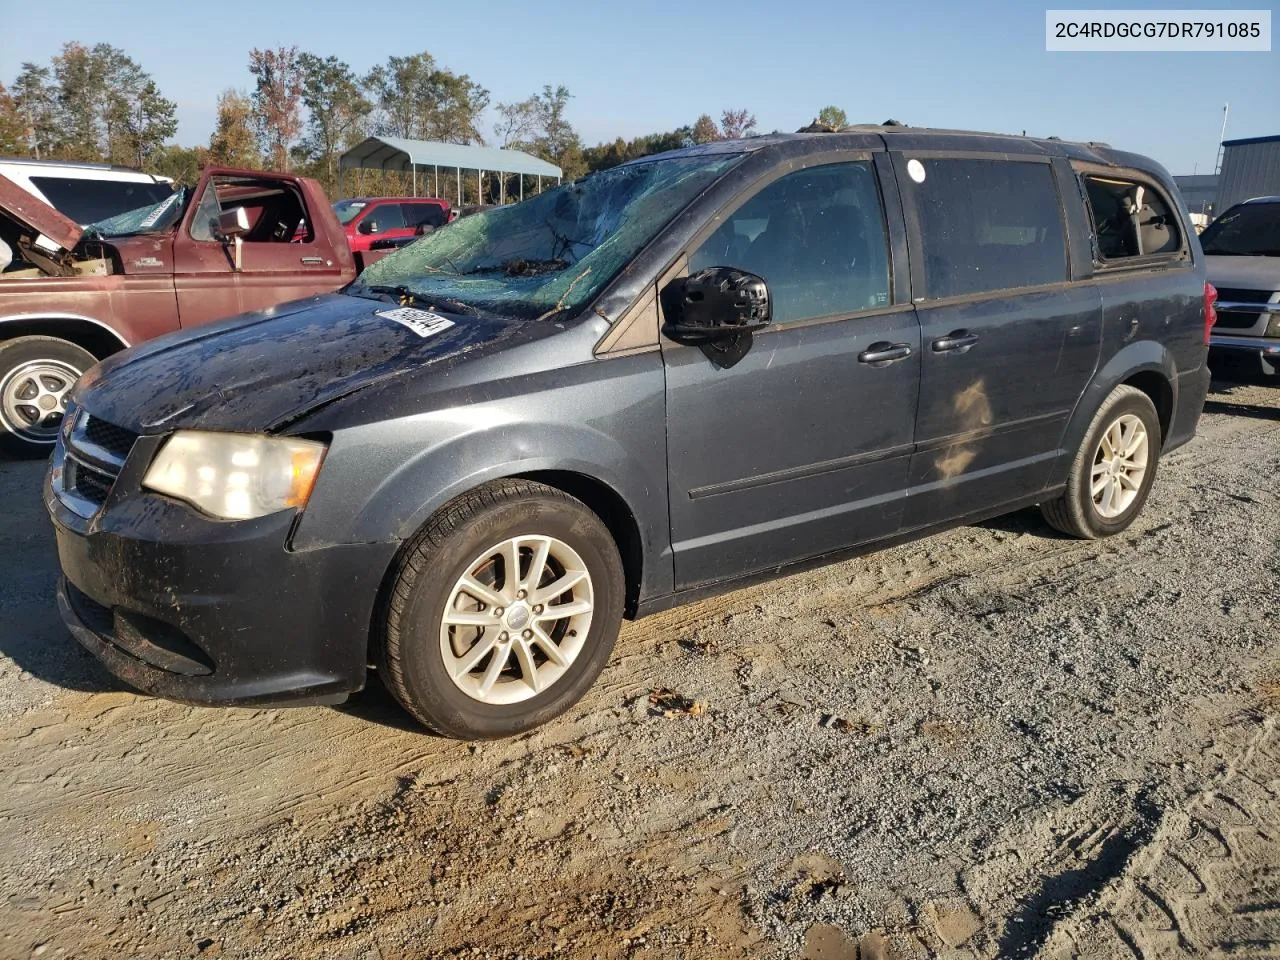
[
  {"x": 182, "y": 164},
  {"x": 138, "y": 119},
  {"x": 517, "y": 123},
  {"x": 81, "y": 92},
  {"x": 737, "y": 124},
  {"x": 705, "y": 130},
  {"x": 833, "y": 117},
  {"x": 36, "y": 99},
  {"x": 557, "y": 140},
  {"x": 605, "y": 155},
  {"x": 336, "y": 108},
  {"x": 277, "y": 101},
  {"x": 233, "y": 143},
  {"x": 13, "y": 132},
  {"x": 419, "y": 100}
]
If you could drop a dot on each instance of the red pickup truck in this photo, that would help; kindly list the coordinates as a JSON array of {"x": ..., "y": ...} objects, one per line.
[{"x": 71, "y": 295}]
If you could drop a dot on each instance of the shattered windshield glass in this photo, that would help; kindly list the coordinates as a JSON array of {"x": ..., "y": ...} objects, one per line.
[
  {"x": 551, "y": 253},
  {"x": 153, "y": 218}
]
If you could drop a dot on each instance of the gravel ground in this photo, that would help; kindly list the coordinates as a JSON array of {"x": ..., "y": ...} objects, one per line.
[{"x": 993, "y": 742}]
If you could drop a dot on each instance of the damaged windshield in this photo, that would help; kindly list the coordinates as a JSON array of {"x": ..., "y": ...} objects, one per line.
[
  {"x": 153, "y": 218},
  {"x": 553, "y": 252}
]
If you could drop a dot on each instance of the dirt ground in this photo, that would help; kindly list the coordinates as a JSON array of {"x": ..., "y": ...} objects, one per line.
[{"x": 993, "y": 742}]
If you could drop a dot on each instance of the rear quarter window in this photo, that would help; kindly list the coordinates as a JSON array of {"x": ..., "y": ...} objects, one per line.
[
  {"x": 1131, "y": 220},
  {"x": 986, "y": 225}
]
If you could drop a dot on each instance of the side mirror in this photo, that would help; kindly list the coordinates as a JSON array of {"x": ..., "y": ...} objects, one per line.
[
  {"x": 232, "y": 225},
  {"x": 717, "y": 309},
  {"x": 233, "y": 222},
  {"x": 368, "y": 226}
]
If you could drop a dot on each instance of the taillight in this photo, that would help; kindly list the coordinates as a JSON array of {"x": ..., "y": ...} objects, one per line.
[{"x": 1210, "y": 312}]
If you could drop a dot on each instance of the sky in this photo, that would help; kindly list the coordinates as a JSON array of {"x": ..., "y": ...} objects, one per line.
[{"x": 645, "y": 67}]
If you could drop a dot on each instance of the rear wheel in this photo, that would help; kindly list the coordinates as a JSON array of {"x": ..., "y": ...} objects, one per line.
[
  {"x": 502, "y": 612},
  {"x": 1112, "y": 473},
  {"x": 36, "y": 374}
]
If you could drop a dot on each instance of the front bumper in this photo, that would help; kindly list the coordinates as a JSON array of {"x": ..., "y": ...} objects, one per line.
[
  {"x": 1262, "y": 346},
  {"x": 205, "y": 611}
]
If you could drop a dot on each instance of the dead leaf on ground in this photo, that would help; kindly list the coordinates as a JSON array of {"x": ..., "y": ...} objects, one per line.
[{"x": 668, "y": 703}]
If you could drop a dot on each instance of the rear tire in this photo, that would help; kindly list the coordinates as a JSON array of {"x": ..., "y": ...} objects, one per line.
[
  {"x": 36, "y": 373},
  {"x": 1112, "y": 473},
  {"x": 475, "y": 645}
]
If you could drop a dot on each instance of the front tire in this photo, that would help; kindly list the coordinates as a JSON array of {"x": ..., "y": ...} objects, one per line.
[
  {"x": 502, "y": 611},
  {"x": 1112, "y": 473},
  {"x": 36, "y": 374}
]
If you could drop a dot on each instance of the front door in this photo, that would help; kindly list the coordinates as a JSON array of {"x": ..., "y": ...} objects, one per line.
[
  {"x": 802, "y": 447},
  {"x": 1008, "y": 343}
]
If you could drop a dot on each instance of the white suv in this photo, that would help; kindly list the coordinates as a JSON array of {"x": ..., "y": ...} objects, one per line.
[{"x": 87, "y": 192}]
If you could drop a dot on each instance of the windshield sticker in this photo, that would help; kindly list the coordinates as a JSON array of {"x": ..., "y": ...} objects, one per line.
[
  {"x": 915, "y": 170},
  {"x": 421, "y": 322},
  {"x": 158, "y": 212}
]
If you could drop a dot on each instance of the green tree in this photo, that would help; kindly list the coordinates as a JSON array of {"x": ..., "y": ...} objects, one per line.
[
  {"x": 336, "y": 111},
  {"x": 557, "y": 140},
  {"x": 233, "y": 143},
  {"x": 81, "y": 93},
  {"x": 182, "y": 164},
  {"x": 277, "y": 102},
  {"x": 35, "y": 97},
  {"x": 705, "y": 130},
  {"x": 419, "y": 100},
  {"x": 138, "y": 119},
  {"x": 517, "y": 124},
  {"x": 13, "y": 132},
  {"x": 832, "y": 117}
]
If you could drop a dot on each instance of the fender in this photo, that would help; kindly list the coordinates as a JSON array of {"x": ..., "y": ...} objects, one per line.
[
  {"x": 60, "y": 316},
  {"x": 491, "y": 446},
  {"x": 1143, "y": 356}
]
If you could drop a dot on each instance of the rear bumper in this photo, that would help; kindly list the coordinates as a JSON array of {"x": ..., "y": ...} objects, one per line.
[
  {"x": 1193, "y": 387},
  {"x": 210, "y": 612}
]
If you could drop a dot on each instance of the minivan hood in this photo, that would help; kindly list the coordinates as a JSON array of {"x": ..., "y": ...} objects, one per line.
[
  {"x": 1244, "y": 273},
  {"x": 262, "y": 370},
  {"x": 47, "y": 229}
]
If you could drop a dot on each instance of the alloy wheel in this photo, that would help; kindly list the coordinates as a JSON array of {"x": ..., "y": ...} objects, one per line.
[
  {"x": 1119, "y": 465},
  {"x": 517, "y": 619}
]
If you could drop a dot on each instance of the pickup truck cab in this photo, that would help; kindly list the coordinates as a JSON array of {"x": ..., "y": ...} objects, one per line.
[
  {"x": 369, "y": 220},
  {"x": 71, "y": 295}
]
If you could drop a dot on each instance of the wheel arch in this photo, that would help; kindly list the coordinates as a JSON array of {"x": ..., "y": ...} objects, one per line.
[{"x": 93, "y": 335}]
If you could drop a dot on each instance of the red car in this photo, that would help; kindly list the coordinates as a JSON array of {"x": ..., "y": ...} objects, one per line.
[{"x": 369, "y": 219}]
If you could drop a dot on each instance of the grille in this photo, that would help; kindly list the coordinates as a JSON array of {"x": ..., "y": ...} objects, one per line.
[
  {"x": 1244, "y": 296},
  {"x": 115, "y": 440},
  {"x": 1236, "y": 319},
  {"x": 93, "y": 485}
]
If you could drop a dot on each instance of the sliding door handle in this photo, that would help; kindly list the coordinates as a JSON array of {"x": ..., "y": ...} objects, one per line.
[{"x": 879, "y": 354}]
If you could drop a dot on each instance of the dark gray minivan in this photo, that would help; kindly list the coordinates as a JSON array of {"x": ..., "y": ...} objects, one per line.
[{"x": 659, "y": 382}]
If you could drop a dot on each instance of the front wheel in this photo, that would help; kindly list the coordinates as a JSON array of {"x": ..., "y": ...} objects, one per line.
[
  {"x": 1113, "y": 470},
  {"x": 502, "y": 611},
  {"x": 36, "y": 374}
]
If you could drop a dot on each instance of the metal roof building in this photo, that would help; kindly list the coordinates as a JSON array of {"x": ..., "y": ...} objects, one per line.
[
  {"x": 1250, "y": 168},
  {"x": 394, "y": 153}
]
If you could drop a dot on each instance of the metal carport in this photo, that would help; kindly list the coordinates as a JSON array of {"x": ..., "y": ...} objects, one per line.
[{"x": 394, "y": 153}]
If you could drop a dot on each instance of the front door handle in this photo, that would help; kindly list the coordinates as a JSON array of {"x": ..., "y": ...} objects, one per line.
[
  {"x": 955, "y": 340},
  {"x": 879, "y": 354},
  {"x": 310, "y": 260}
]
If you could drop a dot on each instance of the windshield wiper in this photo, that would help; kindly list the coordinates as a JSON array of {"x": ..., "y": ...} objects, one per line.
[{"x": 406, "y": 297}]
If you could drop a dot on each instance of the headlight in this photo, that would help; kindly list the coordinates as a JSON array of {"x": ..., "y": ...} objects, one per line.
[{"x": 236, "y": 476}]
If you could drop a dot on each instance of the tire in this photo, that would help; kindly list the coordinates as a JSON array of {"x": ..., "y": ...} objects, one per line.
[
  {"x": 1076, "y": 512},
  {"x": 419, "y": 655},
  {"x": 35, "y": 375}
]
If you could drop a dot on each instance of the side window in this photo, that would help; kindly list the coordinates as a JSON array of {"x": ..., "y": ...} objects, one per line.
[
  {"x": 817, "y": 236},
  {"x": 383, "y": 217},
  {"x": 418, "y": 214},
  {"x": 987, "y": 225},
  {"x": 204, "y": 222},
  {"x": 1131, "y": 219}
]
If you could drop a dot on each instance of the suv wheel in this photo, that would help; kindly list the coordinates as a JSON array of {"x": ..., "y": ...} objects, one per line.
[
  {"x": 502, "y": 611},
  {"x": 1112, "y": 473},
  {"x": 36, "y": 373}
]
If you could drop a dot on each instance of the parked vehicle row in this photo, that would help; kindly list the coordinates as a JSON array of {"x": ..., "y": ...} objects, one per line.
[{"x": 686, "y": 373}]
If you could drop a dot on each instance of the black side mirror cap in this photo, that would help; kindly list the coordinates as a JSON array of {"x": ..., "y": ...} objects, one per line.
[{"x": 717, "y": 309}]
